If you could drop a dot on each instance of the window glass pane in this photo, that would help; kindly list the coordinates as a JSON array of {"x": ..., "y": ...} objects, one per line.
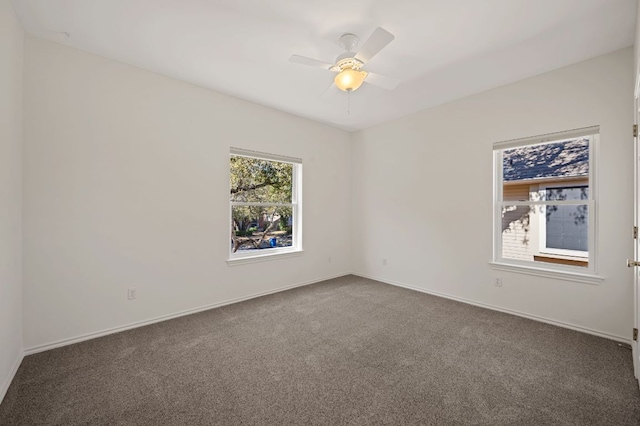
[
  {"x": 546, "y": 234},
  {"x": 567, "y": 193},
  {"x": 549, "y": 171},
  {"x": 260, "y": 181},
  {"x": 543, "y": 163},
  {"x": 567, "y": 227},
  {"x": 517, "y": 232},
  {"x": 261, "y": 228}
]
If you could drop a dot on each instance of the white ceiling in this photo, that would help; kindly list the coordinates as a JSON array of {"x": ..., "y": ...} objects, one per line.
[{"x": 443, "y": 49}]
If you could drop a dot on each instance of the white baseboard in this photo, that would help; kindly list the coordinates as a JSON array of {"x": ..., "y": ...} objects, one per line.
[
  {"x": 12, "y": 373},
  {"x": 88, "y": 336},
  {"x": 507, "y": 311}
]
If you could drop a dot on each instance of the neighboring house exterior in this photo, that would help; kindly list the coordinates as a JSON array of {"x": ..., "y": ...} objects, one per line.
[{"x": 553, "y": 171}]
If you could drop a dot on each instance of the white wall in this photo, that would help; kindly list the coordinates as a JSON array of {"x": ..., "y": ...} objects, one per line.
[
  {"x": 126, "y": 183},
  {"x": 422, "y": 190},
  {"x": 11, "y": 54},
  {"x": 636, "y": 46}
]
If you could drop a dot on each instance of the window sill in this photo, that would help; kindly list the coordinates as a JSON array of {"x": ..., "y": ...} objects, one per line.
[
  {"x": 561, "y": 260},
  {"x": 549, "y": 273},
  {"x": 242, "y": 260}
]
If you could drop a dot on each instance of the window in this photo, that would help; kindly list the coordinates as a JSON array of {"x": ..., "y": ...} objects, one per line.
[
  {"x": 564, "y": 229},
  {"x": 544, "y": 212},
  {"x": 264, "y": 204}
]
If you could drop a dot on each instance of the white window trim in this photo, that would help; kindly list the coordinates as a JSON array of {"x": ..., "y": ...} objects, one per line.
[
  {"x": 558, "y": 274},
  {"x": 543, "y": 249},
  {"x": 271, "y": 255},
  {"x": 587, "y": 275},
  {"x": 252, "y": 256}
]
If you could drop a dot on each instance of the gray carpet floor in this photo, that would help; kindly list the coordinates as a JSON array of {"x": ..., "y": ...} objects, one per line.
[{"x": 346, "y": 351}]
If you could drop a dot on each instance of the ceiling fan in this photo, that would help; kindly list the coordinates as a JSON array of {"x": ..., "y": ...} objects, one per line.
[{"x": 349, "y": 65}]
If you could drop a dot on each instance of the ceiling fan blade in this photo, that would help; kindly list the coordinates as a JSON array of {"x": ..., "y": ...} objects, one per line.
[
  {"x": 378, "y": 40},
  {"x": 330, "y": 92},
  {"x": 311, "y": 62},
  {"x": 383, "y": 81}
]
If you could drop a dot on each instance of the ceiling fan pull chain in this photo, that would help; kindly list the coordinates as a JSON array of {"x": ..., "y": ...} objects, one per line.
[{"x": 348, "y": 102}]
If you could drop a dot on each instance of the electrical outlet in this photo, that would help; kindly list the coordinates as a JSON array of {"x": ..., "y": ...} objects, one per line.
[
  {"x": 497, "y": 281},
  {"x": 384, "y": 262},
  {"x": 131, "y": 293}
]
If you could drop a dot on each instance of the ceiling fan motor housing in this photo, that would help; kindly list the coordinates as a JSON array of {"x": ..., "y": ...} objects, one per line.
[
  {"x": 347, "y": 61},
  {"x": 348, "y": 41}
]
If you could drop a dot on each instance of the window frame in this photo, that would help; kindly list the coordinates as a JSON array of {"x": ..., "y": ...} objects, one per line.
[
  {"x": 542, "y": 237},
  {"x": 250, "y": 256},
  {"x": 573, "y": 273}
]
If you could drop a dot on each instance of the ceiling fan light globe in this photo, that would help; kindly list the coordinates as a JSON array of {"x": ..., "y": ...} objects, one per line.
[{"x": 350, "y": 80}]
